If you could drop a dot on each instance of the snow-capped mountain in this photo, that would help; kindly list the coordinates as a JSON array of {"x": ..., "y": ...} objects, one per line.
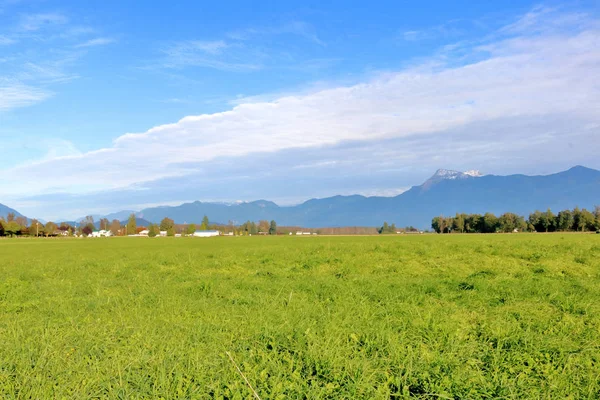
[{"x": 448, "y": 174}]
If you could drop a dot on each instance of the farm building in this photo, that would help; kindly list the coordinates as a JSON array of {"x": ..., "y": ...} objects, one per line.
[
  {"x": 101, "y": 233},
  {"x": 205, "y": 233}
]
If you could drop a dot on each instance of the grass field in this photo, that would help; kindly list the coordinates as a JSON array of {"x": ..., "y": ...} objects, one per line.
[{"x": 496, "y": 316}]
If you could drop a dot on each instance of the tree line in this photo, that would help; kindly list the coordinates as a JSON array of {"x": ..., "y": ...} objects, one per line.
[
  {"x": 21, "y": 226},
  {"x": 576, "y": 220},
  {"x": 389, "y": 229}
]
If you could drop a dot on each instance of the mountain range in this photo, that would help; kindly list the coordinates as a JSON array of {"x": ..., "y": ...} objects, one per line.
[{"x": 445, "y": 193}]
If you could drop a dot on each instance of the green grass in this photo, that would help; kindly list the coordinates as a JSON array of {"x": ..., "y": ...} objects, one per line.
[{"x": 496, "y": 316}]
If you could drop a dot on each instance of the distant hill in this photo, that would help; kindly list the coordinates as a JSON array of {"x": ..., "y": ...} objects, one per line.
[
  {"x": 446, "y": 192},
  {"x": 5, "y": 210}
]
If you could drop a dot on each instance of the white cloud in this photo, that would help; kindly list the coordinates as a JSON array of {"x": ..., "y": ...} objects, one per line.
[
  {"x": 13, "y": 95},
  {"x": 96, "y": 42},
  {"x": 523, "y": 76}
]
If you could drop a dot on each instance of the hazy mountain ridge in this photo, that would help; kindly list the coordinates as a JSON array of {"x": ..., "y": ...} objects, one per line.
[
  {"x": 446, "y": 192},
  {"x": 5, "y": 210}
]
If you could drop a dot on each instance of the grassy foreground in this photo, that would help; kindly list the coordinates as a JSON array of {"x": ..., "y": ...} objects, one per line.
[{"x": 496, "y": 316}]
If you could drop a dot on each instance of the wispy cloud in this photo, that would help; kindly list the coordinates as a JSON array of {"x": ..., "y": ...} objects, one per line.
[
  {"x": 101, "y": 41},
  {"x": 216, "y": 54},
  {"x": 49, "y": 47},
  {"x": 34, "y": 22},
  {"x": 240, "y": 50},
  {"x": 299, "y": 28},
  {"x": 450, "y": 30},
  {"x": 209, "y": 47},
  {"x": 18, "y": 95},
  {"x": 412, "y": 35},
  {"x": 5, "y": 40}
]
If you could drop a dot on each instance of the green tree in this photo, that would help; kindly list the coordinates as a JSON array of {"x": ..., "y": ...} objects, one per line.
[
  {"x": 535, "y": 219},
  {"x": 167, "y": 224},
  {"x": 474, "y": 223},
  {"x": 385, "y": 228},
  {"x": 191, "y": 228},
  {"x": 50, "y": 228},
  {"x": 273, "y": 228},
  {"x": 490, "y": 223},
  {"x": 36, "y": 228},
  {"x": 548, "y": 220},
  {"x": 436, "y": 224},
  {"x": 131, "y": 226},
  {"x": 458, "y": 224},
  {"x": 585, "y": 221},
  {"x": 205, "y": 223},
  {"x": 565, "y": 220},
  {"x": 509, "y": 222},
  {"x": 12, "y": 228},
  {"x": 153, "y": 230}
]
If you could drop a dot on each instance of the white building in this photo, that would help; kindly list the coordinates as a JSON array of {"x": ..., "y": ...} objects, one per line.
[
  {"x": 206, "y": 233},
  {"x": 101, "y": 233},
  {"x": 145, "y": 232},
  {"x": 162, "y": 234}
]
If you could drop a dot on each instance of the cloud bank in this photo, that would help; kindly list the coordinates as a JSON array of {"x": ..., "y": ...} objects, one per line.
[{"x": 530, "y": 87}]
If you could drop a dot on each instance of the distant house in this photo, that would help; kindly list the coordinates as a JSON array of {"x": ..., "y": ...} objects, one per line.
[
  {"x": 205, "y": 233},
  {"x": 145, "y": 232},
  {"x": 163, "y": 233},
  {"x": 101, "y": 233}
]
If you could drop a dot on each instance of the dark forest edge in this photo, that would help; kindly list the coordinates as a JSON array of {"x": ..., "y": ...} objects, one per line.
[{"x": 576, "y": 220}]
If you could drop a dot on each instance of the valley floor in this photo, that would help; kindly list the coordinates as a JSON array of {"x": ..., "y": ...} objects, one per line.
[{"x": 430, "y": 316}]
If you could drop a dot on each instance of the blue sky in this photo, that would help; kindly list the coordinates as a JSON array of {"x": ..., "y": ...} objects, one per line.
[{"x": 109, "y": 105}]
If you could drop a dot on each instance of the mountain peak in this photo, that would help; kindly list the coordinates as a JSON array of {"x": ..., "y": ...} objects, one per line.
[
  {"x": 448, "y": 174},
  {"x": 474, "y": 173}
]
